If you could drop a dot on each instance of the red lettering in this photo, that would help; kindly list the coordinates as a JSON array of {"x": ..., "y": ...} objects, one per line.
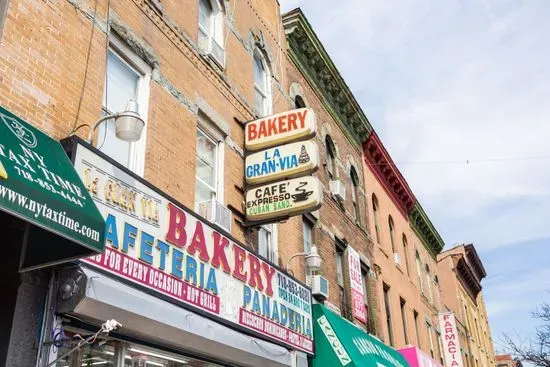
[
  {"x": 448, "y": 324},
  {"x": 239, "y": 257},
  {"x": 271, "y": 127},
  {"x": 455, "y": 363},
  {"x": 252, "y": 132},
  {"x": 219, "y": 256},
  {"x": 198, "y": 243},
  {"x": 269, "y": 272},
  {"x": 452, "y": 350},
  {"x": 446, "y": 316},
  {"x": 292, "y": 121},
  {"x": 449, "y": 337},
  {"x": 176, "y": 226},
  {"x": 262, "y": 131},
  {"x": 282, "y": 124},
  {"x": 302, "y": 118},
  {"x": 255, "y": 279},
  {"x": 449, "y": 330},
  {"x": 451, "y": 343}
]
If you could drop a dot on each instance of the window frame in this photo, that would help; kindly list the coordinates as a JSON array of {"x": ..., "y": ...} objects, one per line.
[
  {"x": 419, "y": 271},
  {"x": 266, "y": 95},
  {"x": 402, "y": 306},
  {"x": 123, "y": 53},
  {"x": 406, "y": 253},
  {"x": 375, "y": 212},
  {"x": 355, "y": 194},
  {"x": 391, "y": 226},
  {"x": 340, "y": 249},
  {"x": 216, "y": 19},
  {"x": 206, "y": 128},
  {"x": 387, "y": 309},
  {"x": 330, "y": 158},
  {"x": 271, "y": 252},
  {"x": 430, "y": 338}
]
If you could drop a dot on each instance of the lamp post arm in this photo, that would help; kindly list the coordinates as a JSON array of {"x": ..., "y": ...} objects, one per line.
[
  {"x": 96, "y": 125},
  {"x": 293, "y": 256}
]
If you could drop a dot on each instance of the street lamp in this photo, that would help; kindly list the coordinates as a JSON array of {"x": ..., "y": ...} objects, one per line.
[
  {"x": 313, "y": 259},
  {"x": 128, "y": 123}
]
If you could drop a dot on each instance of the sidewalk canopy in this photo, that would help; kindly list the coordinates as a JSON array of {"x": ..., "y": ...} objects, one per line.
[
  {"x": 338, "y": 342},
  {"x": 39, "y": 185}
]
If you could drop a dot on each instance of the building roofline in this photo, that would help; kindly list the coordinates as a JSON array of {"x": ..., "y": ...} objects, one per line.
[{"x": 311, "y": 57}]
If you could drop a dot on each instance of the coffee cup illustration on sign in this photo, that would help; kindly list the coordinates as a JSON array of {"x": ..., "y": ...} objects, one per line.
[{"x": 302, "y": 194}]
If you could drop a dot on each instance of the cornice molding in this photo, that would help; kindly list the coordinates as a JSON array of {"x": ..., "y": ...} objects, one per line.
[
  {"x": 467, "y": 277},
  {"x": 475, "y": 261},
  {"x": 378, "y": 160},
  {"x": 424, "y": 228},
  {"x": 312, "y": 59}
]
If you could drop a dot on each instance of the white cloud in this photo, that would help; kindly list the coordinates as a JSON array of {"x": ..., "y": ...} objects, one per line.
[{"x": 454, "y": 80}]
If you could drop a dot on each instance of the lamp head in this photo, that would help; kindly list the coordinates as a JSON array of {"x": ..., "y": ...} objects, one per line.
[
  {"x": 313, "y": 259},
  {"x": 129, "y": 124}
]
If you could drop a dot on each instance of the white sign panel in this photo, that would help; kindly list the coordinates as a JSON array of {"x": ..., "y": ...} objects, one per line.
[
  {"x": 356, "y": 282},
  {"x": 171, "y": 252},
  {"x": 281, "y": 128},
  {"x": 450, "y": 339},
  {"x": 284, "y": 198},
  {"x": 285, "y": 161}
]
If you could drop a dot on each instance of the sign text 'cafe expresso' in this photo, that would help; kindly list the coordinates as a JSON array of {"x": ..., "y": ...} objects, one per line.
[{"x": 153, "y": 241}]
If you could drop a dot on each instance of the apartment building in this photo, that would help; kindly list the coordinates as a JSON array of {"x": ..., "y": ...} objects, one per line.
[
  {"x": 461, "y": 272},
  {"x": 406, "y": 246}
]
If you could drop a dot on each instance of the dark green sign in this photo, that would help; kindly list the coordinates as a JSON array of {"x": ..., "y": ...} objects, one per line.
[
  {"x": 39, "y": 185},
  {"x": 338, "y": 342}
]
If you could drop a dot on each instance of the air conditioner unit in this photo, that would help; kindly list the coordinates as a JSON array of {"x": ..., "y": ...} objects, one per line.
[
  {"x": 338, "y": 189},
  {"x": 215, "y": 212},
  {"x": 397, "y": 258},
  {"x": 319, "y": 286},
  {"x": 212, "y": 49}
]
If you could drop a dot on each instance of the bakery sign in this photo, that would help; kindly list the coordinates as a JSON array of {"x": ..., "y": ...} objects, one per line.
[
  {"x": 281, "y": 155},
  {"x": 285, "y": 161},
  {"x": 285, "y": 127},
  {"x": 169, "y": 251},
  {"x": 284, "y": 198}
]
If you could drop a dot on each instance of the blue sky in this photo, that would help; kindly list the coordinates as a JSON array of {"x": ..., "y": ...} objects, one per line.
[{"x": 449, "y": 81}]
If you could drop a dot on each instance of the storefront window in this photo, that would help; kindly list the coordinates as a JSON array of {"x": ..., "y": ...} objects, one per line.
[{"x": 106, "y": 352}]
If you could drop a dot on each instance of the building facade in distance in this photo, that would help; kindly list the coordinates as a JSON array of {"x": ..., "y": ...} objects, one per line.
[
  {"x": 506, "y": 360},
  {"x": 461, "y": 272},
  {"x": 406, "y": 246}
]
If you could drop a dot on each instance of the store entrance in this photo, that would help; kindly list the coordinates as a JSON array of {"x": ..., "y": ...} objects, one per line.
[
  {"x": 112, "y": 352},
  {"x": 11, "y": 240}
]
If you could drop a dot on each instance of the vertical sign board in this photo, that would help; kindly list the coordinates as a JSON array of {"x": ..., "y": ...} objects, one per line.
[
  {"x": 450, "y": 339},
  {"x": 356, "y": 282},
  {"x": 166, "y": 249}
]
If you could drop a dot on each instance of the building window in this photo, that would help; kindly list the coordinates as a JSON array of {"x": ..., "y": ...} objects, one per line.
[
  {"x": 439, "y": 347},
  {"x": 340, "y": 277},
  {"x": 209, "y": 165},
  {"x": 418, "y": 341},
  {"x": 406, "y": 253},
  {"x": 437, "y": 292},
  {"x": 429, "y": 284},
  {"x": 299, "y": 102},
  {"x": 430, "y": 338},
  {"x": 419, "y": 271},
  {"x": 365, "y": 278},
  {"x": 308, "y": 238},
  {"x": 262, "y": 95},
  {"x": 375, "y": 215},
  {"x": 127, "y": 77},
  {"x": 210, "y": 26},
  {"x": 388, "y": 313},
  {"x": 392, "y": 227},
  {"x": 267, "y": 242},
  {"x": 355, "y": 195},
  {"x": 330, "y": 152},
  {"x": 402, "y": 303}
]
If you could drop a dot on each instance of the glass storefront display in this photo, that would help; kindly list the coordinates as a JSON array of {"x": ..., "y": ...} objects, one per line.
[{"x": 107, "y": 352}]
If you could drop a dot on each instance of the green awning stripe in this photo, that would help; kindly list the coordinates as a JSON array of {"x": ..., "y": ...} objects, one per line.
[{"x": 338, "y": 342}]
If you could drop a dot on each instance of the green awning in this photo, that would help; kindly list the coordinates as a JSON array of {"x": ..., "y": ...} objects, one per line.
[
  {"x": 39, "y": 185},
  {"x": 338, "y": 342}
]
